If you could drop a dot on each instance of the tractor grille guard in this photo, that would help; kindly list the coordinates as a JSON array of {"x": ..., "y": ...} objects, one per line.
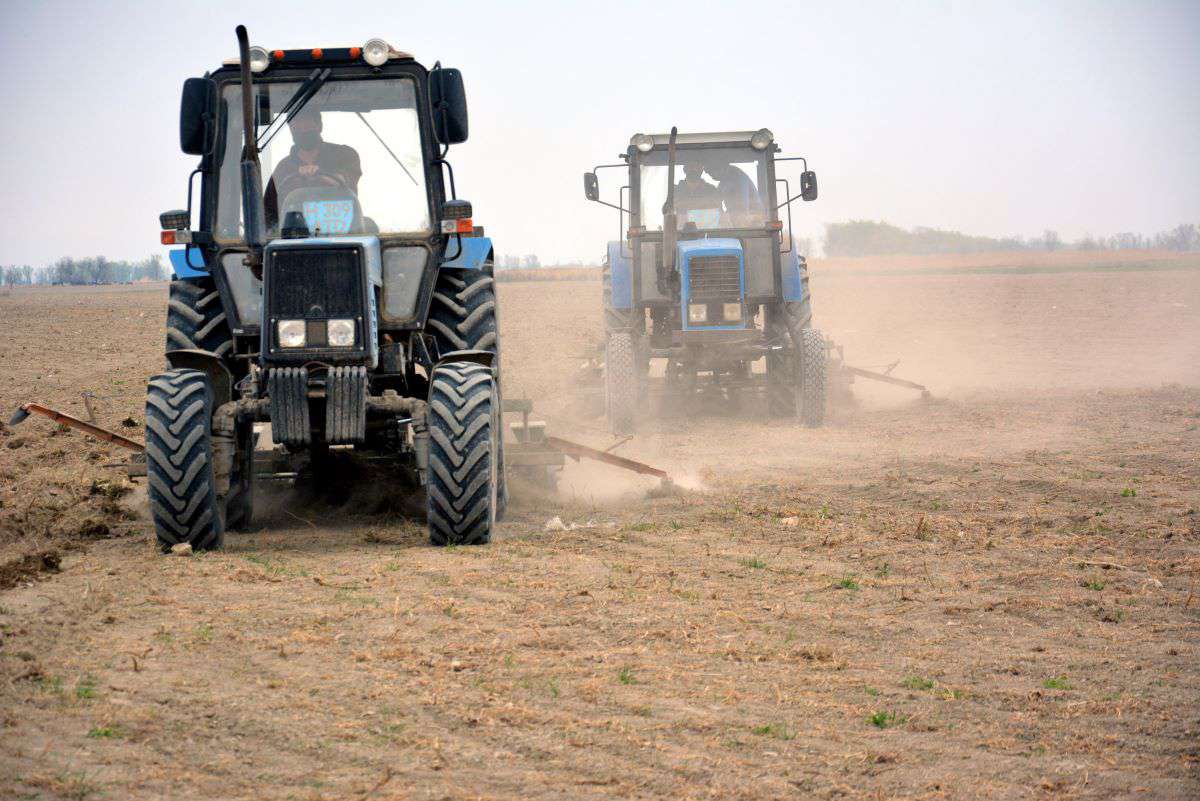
[{"x": 717, "y": 278}]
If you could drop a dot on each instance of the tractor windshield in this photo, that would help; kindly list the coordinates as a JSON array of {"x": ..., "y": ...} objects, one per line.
[
  {"x": 349, "y": 162},
  {"x": 720, "y": 187}
]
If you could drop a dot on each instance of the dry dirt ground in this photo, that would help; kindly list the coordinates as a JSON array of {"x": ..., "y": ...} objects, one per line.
[{"x": 992, "y": 594}]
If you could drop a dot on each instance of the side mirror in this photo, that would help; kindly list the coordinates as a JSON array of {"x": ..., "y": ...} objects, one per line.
[
  {"x": 448, "y": 99},
  {"x": 591, "y": 186},
  {"x": 808, "y": 185},
  {"x": 195, "y": 109}
]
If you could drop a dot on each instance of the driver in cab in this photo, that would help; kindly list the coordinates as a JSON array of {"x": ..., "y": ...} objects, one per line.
[
  {"x": 312, "y": 162},
  {"x": 694, "y": 194}
]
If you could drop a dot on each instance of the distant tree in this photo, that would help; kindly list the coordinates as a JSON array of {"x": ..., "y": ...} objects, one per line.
[
  {"x": 1180, "y": 238},
  {"x": 1051, "y": 241},
  {"x": 530, "y": 261},
  {"x": 868, "y": 238}
]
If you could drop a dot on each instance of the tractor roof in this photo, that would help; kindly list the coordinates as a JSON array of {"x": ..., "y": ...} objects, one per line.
[
  {"x": 319, "y": 55},
  {"x": 715, "y": 137}
]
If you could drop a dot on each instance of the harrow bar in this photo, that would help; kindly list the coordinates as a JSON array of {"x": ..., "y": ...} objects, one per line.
[
  {"x": 74, "y": 422},
  {"x": 577, "y": 451}
]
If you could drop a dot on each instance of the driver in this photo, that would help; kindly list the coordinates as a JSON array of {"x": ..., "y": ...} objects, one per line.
[
  {"x": 311, "y": 162},
  {"x": 738, "y": 192},
  {"x": 693, "y": 192}
]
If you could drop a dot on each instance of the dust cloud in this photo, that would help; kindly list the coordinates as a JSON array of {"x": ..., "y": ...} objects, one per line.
[{"x": 990, "y": 335}]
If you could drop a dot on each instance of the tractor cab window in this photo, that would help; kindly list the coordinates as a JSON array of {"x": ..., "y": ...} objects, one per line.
[
  {"x": 714, "y": 188},
  {"x": 349, "y": 162}
]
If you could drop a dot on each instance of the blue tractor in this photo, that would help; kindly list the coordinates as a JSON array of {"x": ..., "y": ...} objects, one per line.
[
  {"x": 707, "y": 279},
  {"x": 327, "y": 282}
]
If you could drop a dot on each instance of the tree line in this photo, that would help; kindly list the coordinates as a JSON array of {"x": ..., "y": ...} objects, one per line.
[
  {"x": 87, "y": 271},
  {"x": 870, "y": 238}
]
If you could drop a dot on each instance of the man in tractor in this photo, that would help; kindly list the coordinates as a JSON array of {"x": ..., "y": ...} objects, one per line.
[
  {"x": 311, "y": 162},
  {"x": 697, "y": 202},
  {"x": 738, "y": 193}
]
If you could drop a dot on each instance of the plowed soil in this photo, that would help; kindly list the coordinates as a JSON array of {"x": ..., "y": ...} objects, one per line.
[{"x": 988, "y": 594}]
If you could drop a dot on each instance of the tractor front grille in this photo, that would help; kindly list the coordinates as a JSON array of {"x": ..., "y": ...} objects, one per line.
[
  {"x": 316, "y": 283},
  {"x": 715, "y": 278}
]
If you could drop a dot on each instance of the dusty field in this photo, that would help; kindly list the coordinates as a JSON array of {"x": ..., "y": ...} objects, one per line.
[{"x": 990, "y": 595}]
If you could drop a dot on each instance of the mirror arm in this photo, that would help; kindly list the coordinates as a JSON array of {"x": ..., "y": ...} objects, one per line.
[
  {"x": 611, "y": 205},
  {"x": 441, "y": 162},
  {"x": 605, "y": 202},
  {"x": 796, "y": 158},
  {"x": 788, "y": 202}
]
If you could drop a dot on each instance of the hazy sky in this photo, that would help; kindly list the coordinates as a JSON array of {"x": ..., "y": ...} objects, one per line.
[{"x": 991, "y": 118}]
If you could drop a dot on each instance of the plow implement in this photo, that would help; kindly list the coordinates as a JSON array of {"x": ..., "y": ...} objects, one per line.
[
  {"x": 839, "y": 377},
  {"x": 534, "y": 454},
  {"x": 91, "y": 429},
  {"x": 540, "y": 457}
]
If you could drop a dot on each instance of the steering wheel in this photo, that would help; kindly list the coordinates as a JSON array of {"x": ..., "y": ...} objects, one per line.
[{"x": 316, "y": 179}]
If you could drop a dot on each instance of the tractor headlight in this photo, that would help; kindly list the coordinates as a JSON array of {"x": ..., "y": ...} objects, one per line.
[
  {"x": 643, "y": 142},
  {"x": 340, "y": 333},
  {"x": 733, "y": 312},
  {"x": 697, "y": 313},
  {"x": 260, "y": 59},
  {"x": 375, "y": 52},
  {"x": 291, "y": 333},
  {"x": 761, "y": 138}
]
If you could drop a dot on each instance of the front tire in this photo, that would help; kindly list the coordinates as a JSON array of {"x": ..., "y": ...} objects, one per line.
[
  {"x": 462, "y": 316},
  {"x": 813, "y": 362},
  {"x": 179, "y": 461},
  {"x": 621, "y": 383},
  {"x": 464, "y": 454}
]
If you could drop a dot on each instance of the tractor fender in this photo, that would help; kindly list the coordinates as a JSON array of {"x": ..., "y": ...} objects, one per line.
[
  {"x": 795, "y": 275},
  {"x": 476, "y": 254},
  {"x": 620, "y": 269},
  {"x": 484, "y": 357},
  {"x": 209, "y": 363},
  {"x": 188, "y": 262}
]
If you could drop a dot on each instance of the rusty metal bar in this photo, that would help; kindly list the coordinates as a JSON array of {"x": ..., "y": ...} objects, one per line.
[
  {"x": 75, "y": 422},
  {"x": 617, "y": 444},
  {"x": 576, "y": 450},
  {"x": 887, "y": 379}
]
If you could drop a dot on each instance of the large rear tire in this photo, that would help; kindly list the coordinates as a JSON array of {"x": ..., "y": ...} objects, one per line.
[
  {"x": 782, "y": 398},
  {"x": 464, "y": 454},
  {"x": 614, "y": 319},
  {"x": 621, "y": 383},
  {"x": 813, "y": 361},
  {"x": 179, "y": 461},
  {"x": 196, "y": 318}
]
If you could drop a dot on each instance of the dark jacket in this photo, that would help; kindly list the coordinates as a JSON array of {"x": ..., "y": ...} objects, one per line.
[{"x": 332, "y": 159}]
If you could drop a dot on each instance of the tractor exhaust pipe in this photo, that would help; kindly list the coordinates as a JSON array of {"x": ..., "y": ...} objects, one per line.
[
  {"x": 670, "y": 223},
  {"x": 252, "y": 188}
]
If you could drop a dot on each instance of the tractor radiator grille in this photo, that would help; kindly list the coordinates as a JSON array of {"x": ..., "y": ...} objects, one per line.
[
  {"x": 318, "y": 283},
  {"x": 715, "y": 278}
]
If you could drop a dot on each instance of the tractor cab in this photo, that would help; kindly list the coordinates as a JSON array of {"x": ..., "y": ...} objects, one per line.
[
  {"x": 704, "y": 235},
  {"x": 323, "y": 148}
]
